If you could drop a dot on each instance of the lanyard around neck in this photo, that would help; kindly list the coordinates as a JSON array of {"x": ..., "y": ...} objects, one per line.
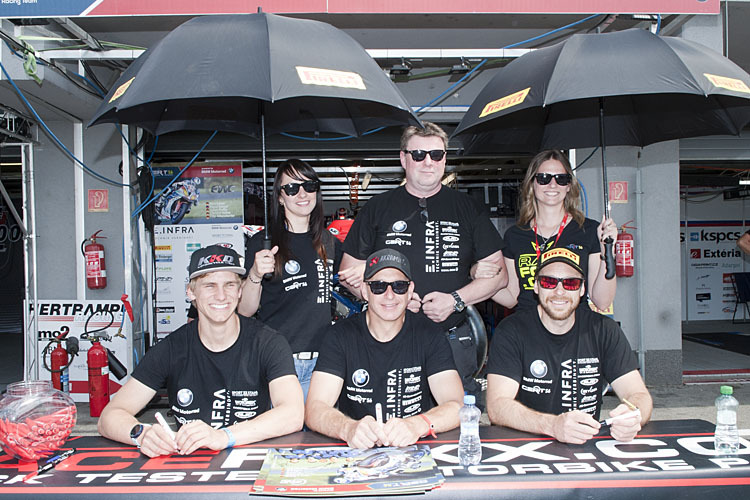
[{"x": 536, "y": 237}]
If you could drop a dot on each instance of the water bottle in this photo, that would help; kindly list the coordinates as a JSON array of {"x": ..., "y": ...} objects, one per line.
[
  {"x": 469, "y": 446},
  {"x": 726, "y": 438}
]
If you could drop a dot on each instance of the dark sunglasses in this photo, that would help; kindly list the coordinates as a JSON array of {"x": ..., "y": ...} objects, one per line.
[
  {"x": 379, "y": 287},
  {"x": 423, "y": 215},
  {"x": 292, "y": 188},
  {"x": 561, "y": 179},
  {"x": 550, "y": 283},
  {"x": 420, "y": 154}
]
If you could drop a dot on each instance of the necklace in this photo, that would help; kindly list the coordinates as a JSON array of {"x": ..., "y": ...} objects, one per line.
[{"x": 545, "y": 240}]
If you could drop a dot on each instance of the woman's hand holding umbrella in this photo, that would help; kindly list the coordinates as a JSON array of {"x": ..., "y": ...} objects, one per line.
[
  {"x": 264, "y": 263},
  {"x": 607, "y": 229}
]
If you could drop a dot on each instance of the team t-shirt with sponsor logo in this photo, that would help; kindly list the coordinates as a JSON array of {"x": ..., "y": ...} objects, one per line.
[
  {"x": 219, "y": 388},
  {"x": 392, "y": 373},
  {"x": 297, "y": 304},
  {"x": 560, "y": 373},
  {"x": 521, "y": 247},
  {"x": 441, "y": 242}
]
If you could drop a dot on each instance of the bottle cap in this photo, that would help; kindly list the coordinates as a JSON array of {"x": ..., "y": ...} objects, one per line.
[
  {"x": 470, "y": 399},
  {"x": 726, "y": 390}
]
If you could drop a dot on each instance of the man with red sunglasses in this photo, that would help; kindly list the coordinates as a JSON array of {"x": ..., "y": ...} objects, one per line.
[
  {"x": 378, "y": 372},
  {"x": 549, "y": 365}
]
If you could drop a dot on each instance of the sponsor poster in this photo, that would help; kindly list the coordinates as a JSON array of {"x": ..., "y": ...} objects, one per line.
[
  {"x": 173, "y": 245},
  {"x": 711, "y": 254},
  {"x": 68, "y": 318},
  {"x": 203, "y": 194}
]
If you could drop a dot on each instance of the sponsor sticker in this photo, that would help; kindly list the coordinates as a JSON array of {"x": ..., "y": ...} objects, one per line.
[
  {"x": 330, "y": 78},
  {"x": 505, "y": 102},
  {"x": 725, "y": 82}
]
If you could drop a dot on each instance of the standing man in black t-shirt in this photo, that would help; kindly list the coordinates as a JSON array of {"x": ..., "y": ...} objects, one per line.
[
  {"x": 384, "y": 367},
  {"x": 442, "y": 232},
  {"x": 548, "y": 365},
  {"x": 222, "y": 373}
]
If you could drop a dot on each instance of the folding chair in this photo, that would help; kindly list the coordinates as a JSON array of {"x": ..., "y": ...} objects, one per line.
[{"x": 741, "y": 282}]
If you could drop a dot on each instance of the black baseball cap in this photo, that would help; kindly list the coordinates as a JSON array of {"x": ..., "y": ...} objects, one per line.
[
  {"x": 385, "y": 258},
  {"x": 214, "y": 258},
  {"x": 563, "y": 255}
]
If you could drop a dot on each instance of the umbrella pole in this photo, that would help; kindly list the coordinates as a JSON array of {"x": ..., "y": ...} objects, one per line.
[
  {"x": 609, "y": 256},
  {"x": 266, "y": 232}
]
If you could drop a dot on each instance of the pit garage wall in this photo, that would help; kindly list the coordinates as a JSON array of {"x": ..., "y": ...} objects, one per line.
[{"x": 60, "y": 265}]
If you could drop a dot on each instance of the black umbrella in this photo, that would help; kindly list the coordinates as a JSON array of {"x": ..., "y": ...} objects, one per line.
[
  {"x": 624, "y": 88},
  {"x": 253, "y": 74}
]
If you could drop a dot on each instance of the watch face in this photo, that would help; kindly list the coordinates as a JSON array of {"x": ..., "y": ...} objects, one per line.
[{"x": 136, "y": 431}]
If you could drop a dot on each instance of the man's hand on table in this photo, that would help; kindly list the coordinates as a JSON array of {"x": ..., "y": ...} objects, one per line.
[
  {"x": 624, "y": 429},
  {"x": 364, "y": 433},
  {"x": 156, "y": 442},
  {"x": 574, "y": 427},
  {"x": 403, "y": 432},
  {"x": 198, "y": 434}
]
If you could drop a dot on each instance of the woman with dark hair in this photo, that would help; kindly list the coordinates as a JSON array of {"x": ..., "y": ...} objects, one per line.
[
  {"x": 549, "y": 217},
  {"x": 296, "y": 299}
]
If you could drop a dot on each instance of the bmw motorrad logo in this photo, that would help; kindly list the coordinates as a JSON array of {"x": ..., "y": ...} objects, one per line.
[
  {"x": 360, "y": 378},
  {"x": 184, "y": 397},
  {"x": 231, "y": 170},
  {"x": 292, "y": 267},
  {"x": 399, "y": 226},
  {"x": 538, "y": 368}
]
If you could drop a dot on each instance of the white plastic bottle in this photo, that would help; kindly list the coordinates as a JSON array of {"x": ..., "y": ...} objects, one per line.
[
  {"x": 726, "y": 437},
  {"x": 469, "y": 445}
]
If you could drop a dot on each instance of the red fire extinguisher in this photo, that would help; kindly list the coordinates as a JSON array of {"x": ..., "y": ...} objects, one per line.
[
  {"x": 96, "y": 269},
  {"x": 59, "y": 362},
  {"x": 624, "y": 258},
  {"x": 98, "y": 378}
]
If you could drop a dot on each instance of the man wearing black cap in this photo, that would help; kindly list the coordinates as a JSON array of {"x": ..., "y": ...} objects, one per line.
[
  {"x": 547, "y": 366},
  {"x": 384, "y": 367},
  {"x": 222, "y": 373}
]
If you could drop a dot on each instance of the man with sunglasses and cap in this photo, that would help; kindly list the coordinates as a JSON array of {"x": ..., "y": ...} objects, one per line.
[
  {"x": 379, "y": 372},
  {"x": 442, "y": 231},
  {"x": 230, "y": 379},
  {"x": 548, "y": 366}
]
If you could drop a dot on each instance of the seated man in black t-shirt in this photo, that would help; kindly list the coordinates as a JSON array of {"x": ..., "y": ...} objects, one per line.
[
  {"x": 384, "y": 367},
  {"x": 548, "y": 365},
  {"x": 222, "y": 372}
]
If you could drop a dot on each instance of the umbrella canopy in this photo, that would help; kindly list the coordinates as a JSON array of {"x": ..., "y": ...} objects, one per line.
[
  {"x": 649, "y": 88},
  {"x": 225, "y": 72}
]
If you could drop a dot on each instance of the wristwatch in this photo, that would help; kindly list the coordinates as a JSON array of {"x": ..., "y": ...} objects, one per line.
[
  {"x": 135, "y": 433},
  {"x": 459, "y": 306}
]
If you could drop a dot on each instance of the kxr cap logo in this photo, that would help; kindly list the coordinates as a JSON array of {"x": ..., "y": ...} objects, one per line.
[{"x": 216, "y": 259}]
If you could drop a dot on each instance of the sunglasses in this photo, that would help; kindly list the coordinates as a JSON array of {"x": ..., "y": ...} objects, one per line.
[
  {"x": 550, "y": 283},
  {"x": 292, "y": 188},
  {"x": 423, "y": 215},
  {"x": 561, "y": 179},
  {"x": 420, "y": 154},
  {"x": 379, "y": 287}
]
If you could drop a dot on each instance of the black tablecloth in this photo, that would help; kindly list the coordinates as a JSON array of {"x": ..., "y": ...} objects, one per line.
[{"x": 669, "y": 459}]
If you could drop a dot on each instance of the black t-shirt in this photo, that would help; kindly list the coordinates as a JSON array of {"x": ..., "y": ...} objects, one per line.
[
  {"x": 441, "y": 250},
  {"x": 297, "y": 304},
  {"x": 559, "y": 373},
  {"x": 392, "y": 373},
  {"x": 219, "y": 388},
  {"x": 521, "y": 247}
]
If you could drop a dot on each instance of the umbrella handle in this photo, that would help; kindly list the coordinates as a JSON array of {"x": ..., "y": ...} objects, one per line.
[
  {"x": 609, "y": 258},
  {"x": 267, "y": 244}
]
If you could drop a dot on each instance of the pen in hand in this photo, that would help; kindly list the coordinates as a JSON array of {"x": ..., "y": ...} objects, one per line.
[
  {"x": 634, "y": 413},
  {"x": 51, "y": 464},
  {"x": 164, "y": 425}
]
